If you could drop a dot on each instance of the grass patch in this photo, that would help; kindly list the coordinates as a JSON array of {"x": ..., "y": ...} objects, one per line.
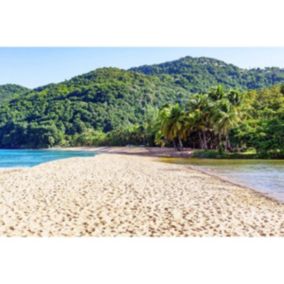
[{"x": 250, "y": 154}]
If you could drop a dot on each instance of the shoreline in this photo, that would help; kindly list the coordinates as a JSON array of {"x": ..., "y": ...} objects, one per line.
[
  {"x": 133, "y": 150},
  {"x": 228, "y": 180},
  {"x": 152, "y": 152},
  {"x": 156, "y": 151}
]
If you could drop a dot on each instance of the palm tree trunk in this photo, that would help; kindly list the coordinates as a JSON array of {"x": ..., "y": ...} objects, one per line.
[
  {"x": 175, "y": 144},
  {"x": 180, "y": 144},
  {"x": 200, "y": 141},
  {"x": 219, "y": 141},
  {"x": 228, "y": 143},
  {"x": 204, "y": 140}
]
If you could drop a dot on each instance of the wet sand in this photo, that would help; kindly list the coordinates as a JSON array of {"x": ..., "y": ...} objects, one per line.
[{"x": 130, "y": 195}]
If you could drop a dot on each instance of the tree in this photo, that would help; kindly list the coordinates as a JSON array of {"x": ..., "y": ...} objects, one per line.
[
  {"x": 173, "y": 125},
  {"x": 282, "y": 89},
  {"x": 225, "y": 116},
  {"x": 199, "y": 114}
]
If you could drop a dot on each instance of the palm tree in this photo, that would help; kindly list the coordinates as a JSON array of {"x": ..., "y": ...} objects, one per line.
[
  {"x": 173, "y": 125},
  {"x": 199, "y": 112},
  {"x": 216, "y": 93},
  {"x": 225, "y": 116}
]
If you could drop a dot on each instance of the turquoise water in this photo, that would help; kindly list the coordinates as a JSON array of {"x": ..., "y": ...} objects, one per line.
[
  {"x": 265, "y": 176},
  {"x": 29, "y": 158}
]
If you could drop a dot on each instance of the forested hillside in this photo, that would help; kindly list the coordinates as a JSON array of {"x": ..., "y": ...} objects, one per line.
[
  {"x": 199, "y": 74},
  {"x": 110, "y": 106},
  {"x": 8, "y": 91},
  {"x": 102, "y": 100}
]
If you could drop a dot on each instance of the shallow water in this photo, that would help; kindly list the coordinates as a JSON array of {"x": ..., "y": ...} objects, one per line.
[
  {"x": 266, "y": 176},
  {"x": 29, "y": 158}
]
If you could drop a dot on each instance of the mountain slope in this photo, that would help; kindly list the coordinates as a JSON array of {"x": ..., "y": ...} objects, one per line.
[
  {"x": 104, "y": 99},
  {"x": 199, "y": 74},
  {"x": 110, "y": 99},
  {"x": 7, "y": 91}
]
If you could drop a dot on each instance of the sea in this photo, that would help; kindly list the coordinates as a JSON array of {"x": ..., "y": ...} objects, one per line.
[
  {"x": 30, "y": 158},
  {"x": 265, "y": 176}
]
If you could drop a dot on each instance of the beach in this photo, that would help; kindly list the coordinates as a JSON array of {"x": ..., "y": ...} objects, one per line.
[{"x": 130, "y": 194}]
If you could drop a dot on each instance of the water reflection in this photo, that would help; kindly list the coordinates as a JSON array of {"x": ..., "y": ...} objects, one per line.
[{"x": 266, "y": 176}]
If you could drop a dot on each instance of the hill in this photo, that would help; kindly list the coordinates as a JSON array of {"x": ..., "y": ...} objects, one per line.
[
  {"x": 113, "y": 102},
  {"x": 199, "y": 74},
  {"x": 104, "y": 99},
  {"x": 7, "y": 91}
]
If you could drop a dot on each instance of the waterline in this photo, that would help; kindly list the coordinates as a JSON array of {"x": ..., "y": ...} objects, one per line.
[
  {"x": 13, "y": 159},
  {"x": 265, "y": 176}
]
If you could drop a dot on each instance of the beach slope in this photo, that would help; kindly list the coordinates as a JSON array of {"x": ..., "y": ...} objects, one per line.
[{"x": 120, "y": 195}]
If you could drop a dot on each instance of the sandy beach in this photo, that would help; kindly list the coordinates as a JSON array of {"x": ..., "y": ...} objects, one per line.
[{"x": 130, "y": 195}]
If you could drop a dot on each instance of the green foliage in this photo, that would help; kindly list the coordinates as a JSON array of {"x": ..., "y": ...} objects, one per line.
[
  {"x": 89, "y": 137},
  {"x": 127, "y": 135},
  {"x": 227, "y": 121},
  {"x": 106, "y": 100},
  {"x": 9, "y": 91},
  {"x": 264, "y": 127},
  {"x": 199, "y": 74},
  {"x": 214, "y": 154},
  {"x": 173, "y": 122},
  {"x": 207, "y": 118},
  {"x": 171, "y": 103}
]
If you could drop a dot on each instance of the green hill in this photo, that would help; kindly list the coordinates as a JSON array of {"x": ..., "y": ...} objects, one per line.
[
  {"x": 105, "y": 99},
  {"x": 110, "y": 101},
  {"x": 8, "y": 91},
  {"x": 199, "y": 74}
]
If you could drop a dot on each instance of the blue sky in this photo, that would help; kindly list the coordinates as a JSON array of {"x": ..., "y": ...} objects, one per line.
[{"x": 33, "y": 67}]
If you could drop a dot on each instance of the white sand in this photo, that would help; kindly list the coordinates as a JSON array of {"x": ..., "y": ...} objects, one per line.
[{"x": 119, "y": 195}]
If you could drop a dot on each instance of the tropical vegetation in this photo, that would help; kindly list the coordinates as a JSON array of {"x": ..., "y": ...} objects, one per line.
[
  {"x": 228, "y": 121},
  {"x": 201, "y": 103}
]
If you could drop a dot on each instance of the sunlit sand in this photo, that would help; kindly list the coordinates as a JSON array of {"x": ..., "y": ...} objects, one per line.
[{"x": 129, "y": 195}]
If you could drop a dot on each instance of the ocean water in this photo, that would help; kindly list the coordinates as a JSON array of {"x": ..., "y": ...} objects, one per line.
[
  {"x": 29, "y": 158},
  {"x": 265, "y": 176}
]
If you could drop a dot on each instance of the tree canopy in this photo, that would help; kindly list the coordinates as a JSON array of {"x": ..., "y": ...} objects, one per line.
[
  {"x": 197, "y": 102},
  {"x": 199, "y": 74},
  {"x": 8, "y": 91}
]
